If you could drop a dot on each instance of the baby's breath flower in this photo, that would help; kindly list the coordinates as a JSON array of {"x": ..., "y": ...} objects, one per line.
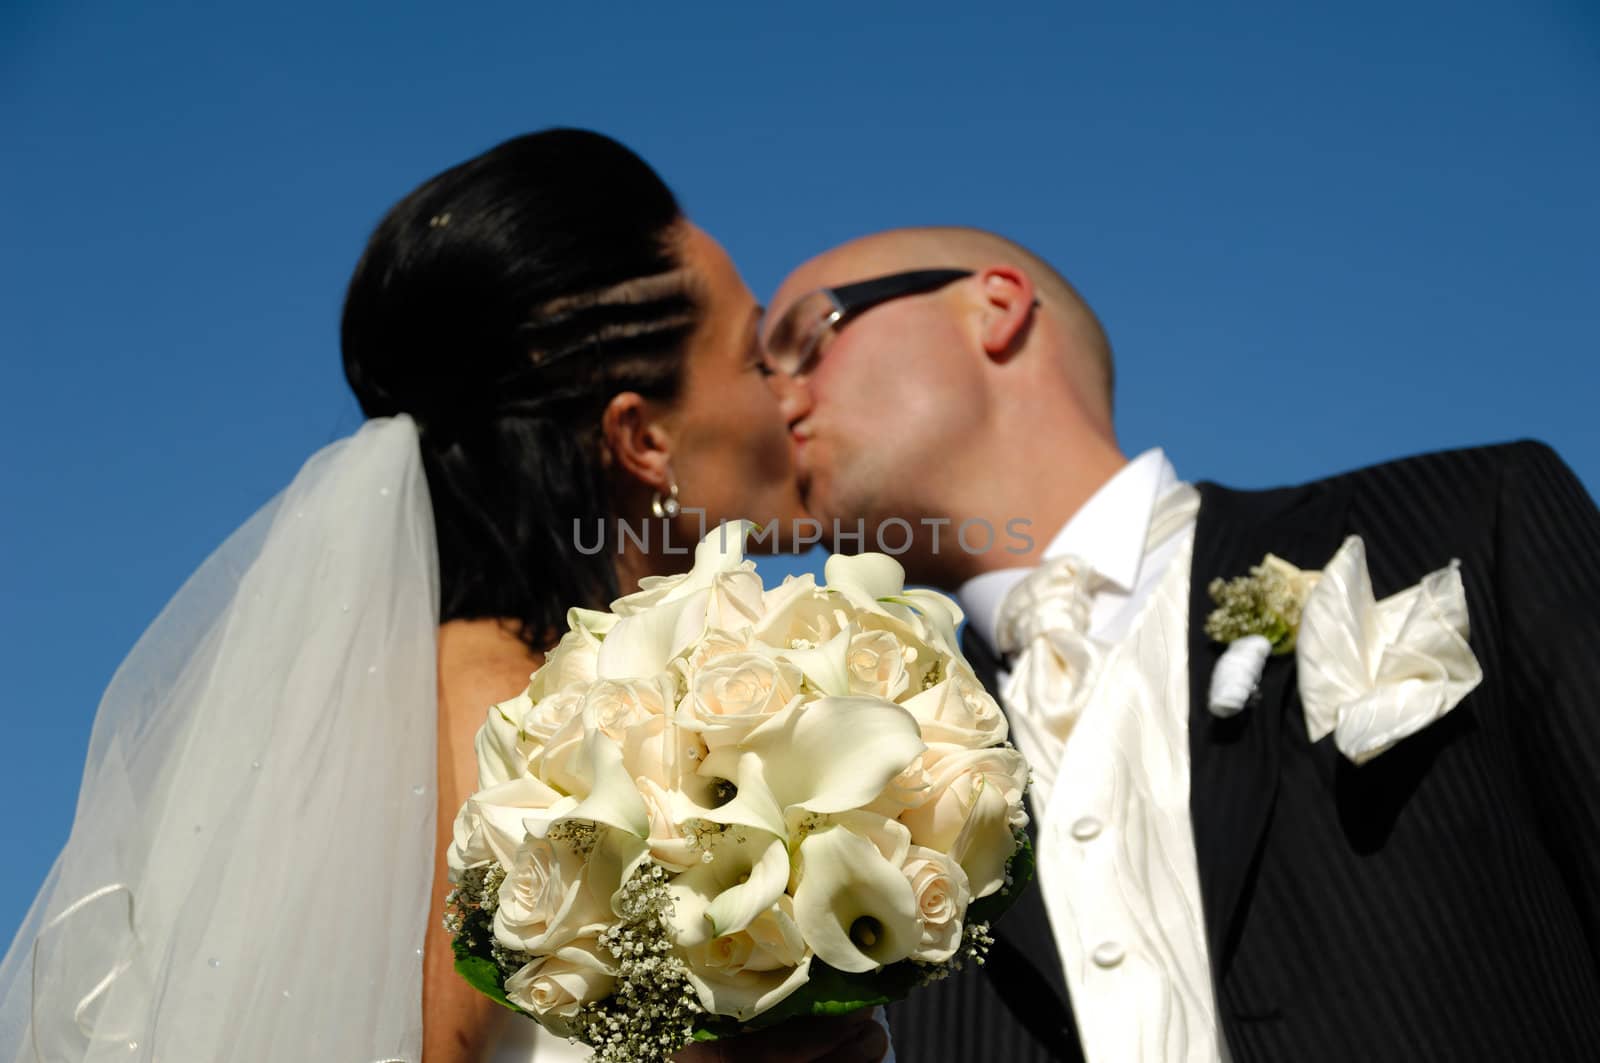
[
  {"x": 652, "y": 1012},
  {"x": 1264, "y": 603},
  {"x": 470, "y": 906}
]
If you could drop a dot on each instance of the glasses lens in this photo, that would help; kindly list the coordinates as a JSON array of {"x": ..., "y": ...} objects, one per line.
[{"x": 794, "y": 339}]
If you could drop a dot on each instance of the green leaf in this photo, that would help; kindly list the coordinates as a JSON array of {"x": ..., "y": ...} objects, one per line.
[{"x": 484, "y": 976}]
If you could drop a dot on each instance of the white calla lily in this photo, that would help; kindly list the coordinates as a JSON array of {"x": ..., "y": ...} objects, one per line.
[
  {"x": 938, "y": 611},
  {"x": 613, "y": 799},
  {"x": 644, "y": 643},
  {"x": 504, "y": 748},
  {"x": 595, "y": 621},
  {"x": 891, "y": 837},
  {"x": 864, "y": 578},
  {"x": 766, "y": 880},
  {"x": 826, "y": 667},
  {"x": 612, "y": 862},
  {"x": 796, "y": 760},
  {"x": 746, "y": 876},
  {"x": 875, "y": 584},
  {"x": 834, "y": 754},
  {"x": 856, "y": 909}
]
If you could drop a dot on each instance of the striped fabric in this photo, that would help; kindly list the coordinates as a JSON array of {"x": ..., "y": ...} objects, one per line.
[{"x": 1441, "y": 902}]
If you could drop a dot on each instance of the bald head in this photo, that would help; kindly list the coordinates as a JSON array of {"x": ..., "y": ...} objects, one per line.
[
  {"x": 1086, "y": 346},
  {"x": 932, "y": 407}
]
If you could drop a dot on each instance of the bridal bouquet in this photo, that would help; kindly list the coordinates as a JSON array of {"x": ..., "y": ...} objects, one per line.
[{"x": 719, "y": 806}]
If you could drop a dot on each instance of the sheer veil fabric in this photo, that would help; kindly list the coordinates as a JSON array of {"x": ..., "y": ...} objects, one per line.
[{"x": 248, "y": 872}]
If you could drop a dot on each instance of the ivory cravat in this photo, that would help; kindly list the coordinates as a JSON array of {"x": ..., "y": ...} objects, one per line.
[
  {"x": 1105, "y": 726},
  {"x": 1043, "y": 629}
]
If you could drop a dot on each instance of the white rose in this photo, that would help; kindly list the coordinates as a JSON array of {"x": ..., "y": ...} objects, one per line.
[
  {"x": 909, "y": 789},
  {"x": 549, "y": 715},
  {"x": 515, "y": 738},
  {"x": 1300, "y": 582},
  {"x": 958, "y": 711},
  {"x": 554, "y": 988},
  {"x": 545, "y": 901},
  {"x": 611, "y": 706},
  {"x": 799, "y": 614},
  {"x": 973, "y": 810},
  {"x": 489, "y": 827},
  {"x": 669, "y": 810},
  {"x": 734, "y": 693},
  {"x": 619, "y": 704},
  {"x": 771, "y": 942},
  {"x": 942, "y": 893},
  {"x": 745, "y": 973},
  {"x": 714, "y": 644},
  {"x": 572, "y": 662},
  {"x": 877, "y": 664}
]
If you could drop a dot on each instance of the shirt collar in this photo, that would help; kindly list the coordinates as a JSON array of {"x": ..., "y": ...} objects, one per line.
[{"x": 1108, "y": 531}]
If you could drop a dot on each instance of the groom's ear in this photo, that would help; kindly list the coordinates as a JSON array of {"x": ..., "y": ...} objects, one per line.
[
  {"x": 1008, "y": 302},
  {"x": 636, "y": 440}
]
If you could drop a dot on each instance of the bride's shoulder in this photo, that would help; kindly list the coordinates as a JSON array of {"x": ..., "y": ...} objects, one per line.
[{"x": 482, "y": 663}]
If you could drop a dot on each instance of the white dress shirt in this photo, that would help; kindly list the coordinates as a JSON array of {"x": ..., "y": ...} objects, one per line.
[
  {"x": 1117, "y": 864},
  {"x": 1109, "y": 533}
]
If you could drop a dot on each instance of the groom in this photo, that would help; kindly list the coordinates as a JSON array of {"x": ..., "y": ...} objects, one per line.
[{"x": 1218, "y": 883}]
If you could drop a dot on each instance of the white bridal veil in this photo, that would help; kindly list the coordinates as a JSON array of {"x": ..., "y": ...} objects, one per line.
[{"x": 248, "y": 873}]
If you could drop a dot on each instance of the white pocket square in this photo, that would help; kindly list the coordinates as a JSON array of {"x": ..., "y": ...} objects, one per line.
[{"x": 1375, "y": 672}]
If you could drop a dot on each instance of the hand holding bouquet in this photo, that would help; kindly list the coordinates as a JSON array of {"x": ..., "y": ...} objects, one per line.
[{"x": 719, "y": 806}]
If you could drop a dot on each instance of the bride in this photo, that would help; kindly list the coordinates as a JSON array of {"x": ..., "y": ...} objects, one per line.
[{"x": 550, "y": 356}]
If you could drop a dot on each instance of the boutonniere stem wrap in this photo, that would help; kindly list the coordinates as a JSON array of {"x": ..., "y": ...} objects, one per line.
[
  {"x": 1257, "y": 616},
  {"x": 1370, "y": 672}
]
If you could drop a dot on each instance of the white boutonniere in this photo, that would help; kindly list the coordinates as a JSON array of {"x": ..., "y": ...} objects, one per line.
[
  {"x": 1370, "y": 672},
  {"x": 1257, "y": 616}
]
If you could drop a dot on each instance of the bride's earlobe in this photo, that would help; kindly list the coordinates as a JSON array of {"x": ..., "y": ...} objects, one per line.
[{"x": 636, "y": 440}]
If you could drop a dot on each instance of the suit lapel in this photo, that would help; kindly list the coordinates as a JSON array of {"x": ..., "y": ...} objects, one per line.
[{"x": 1234, "y": 763}]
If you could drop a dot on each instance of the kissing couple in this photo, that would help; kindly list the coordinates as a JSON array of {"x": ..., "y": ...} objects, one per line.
[{"x": 1312, "y": 768}]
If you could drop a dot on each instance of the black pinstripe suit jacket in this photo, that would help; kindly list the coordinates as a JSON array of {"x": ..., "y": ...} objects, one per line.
[{"x": 1441, "y": 902}]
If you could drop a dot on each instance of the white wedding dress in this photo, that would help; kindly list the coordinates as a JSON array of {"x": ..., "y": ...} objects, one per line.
[
  {"x": 249, "y": 868},
  {"x": 520, "y": 1040}
]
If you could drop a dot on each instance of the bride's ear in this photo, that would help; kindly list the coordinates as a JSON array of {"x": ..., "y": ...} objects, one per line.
[{"x": 636, "y": 440}]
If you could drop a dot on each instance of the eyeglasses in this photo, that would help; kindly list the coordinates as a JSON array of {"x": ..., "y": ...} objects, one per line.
[{"x": 795, "y": 341}]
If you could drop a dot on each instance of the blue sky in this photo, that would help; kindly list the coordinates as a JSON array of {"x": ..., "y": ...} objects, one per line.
[{"x": 1317, "y": 238}]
